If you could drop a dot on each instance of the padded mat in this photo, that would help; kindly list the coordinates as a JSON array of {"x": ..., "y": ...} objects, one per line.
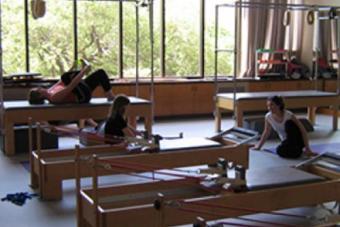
[
  {"x": 285, "y": 94},
  {"x": 187, "y": 143},
  {"x": 277, "y": 177},
  {"x": 23, "y": 104}
]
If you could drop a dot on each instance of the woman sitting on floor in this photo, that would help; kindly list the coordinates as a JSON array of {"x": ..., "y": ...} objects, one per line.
[{"x": 293, "y": 136}]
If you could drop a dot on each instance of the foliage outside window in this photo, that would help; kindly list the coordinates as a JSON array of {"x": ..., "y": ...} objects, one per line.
[
  {"x": 130, "y": 37},
  {"x": 98, "y": 34},
  {"x": 51, "y": 38},
  {"x": 182, "y": 37},
  {"x": 13, "y": 38},
  {"x": 225, "y": 38}
]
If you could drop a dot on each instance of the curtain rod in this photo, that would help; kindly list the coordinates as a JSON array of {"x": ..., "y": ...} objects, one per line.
[{"x": 301, "y": 7}]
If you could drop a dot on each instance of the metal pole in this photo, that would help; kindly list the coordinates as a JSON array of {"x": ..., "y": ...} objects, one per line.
[
  {"x": 216, "y": 49},
  {"x": 1, "y": 78},
  {"x": 202, "y": 39},
  {"x": 162, "y": 38},
  {"x": 137, "y": 49},
  {"x": 75, "y": 31},
  {"x": 27, "y": 49},
  {"x": 238, "y": 44},
  {"x": 298, "y": 7},
  {"x": 338, "y": 56},
  {"x": 150, "y": 4},
  {"x": 316, "y": 47},
  {"x": 120, "y": 39},
  {"x": 235, "y": 62}
]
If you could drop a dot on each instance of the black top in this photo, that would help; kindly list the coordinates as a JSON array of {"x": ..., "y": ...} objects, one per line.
[{"x": 114, "y": 126}]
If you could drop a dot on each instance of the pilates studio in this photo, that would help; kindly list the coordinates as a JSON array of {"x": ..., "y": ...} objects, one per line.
[{"x": 205, "y": 113}]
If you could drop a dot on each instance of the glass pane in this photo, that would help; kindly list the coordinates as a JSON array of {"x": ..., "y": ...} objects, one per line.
[
  {"x": 226, "y": 24},
  {"x": 130, "y": 38},
  {"x": 51, "y": 39},
  {"x": 98, "y": 34},
  {"x": 13, "y": 36},
  {"x": 182, "y": 37}
]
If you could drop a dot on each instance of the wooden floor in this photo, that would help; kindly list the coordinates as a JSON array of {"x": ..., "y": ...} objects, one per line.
[{"x": 14, "y": 178}]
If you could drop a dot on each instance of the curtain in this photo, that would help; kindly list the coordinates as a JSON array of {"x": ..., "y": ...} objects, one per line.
[
  {"x": 328, "y": 39},
  {"x": 253, "y": 36},
  {"x": 263, "y": 28},
  {"x": 293, "y": 39}
]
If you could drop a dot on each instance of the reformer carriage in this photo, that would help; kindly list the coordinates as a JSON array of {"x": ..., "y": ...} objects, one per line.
[
  {"x": 180, "y": 200},
  {"x": 51, "y": 166}
]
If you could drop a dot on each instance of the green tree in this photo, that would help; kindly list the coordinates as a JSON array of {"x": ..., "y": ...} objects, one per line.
[{"x": 51, "y": 40}]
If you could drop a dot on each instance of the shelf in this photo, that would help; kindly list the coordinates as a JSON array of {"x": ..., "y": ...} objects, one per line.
[{"x": 271, "y": 52}]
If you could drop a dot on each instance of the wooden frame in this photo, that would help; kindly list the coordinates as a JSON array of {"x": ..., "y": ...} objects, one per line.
[
  {"x": 123, "y": 205},
  {"x": 256, "y": 101},
  {"x": 16, "y": 112},
  {"x": 46, "y": 165}
]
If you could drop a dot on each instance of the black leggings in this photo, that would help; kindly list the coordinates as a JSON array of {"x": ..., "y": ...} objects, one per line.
[
  {"x": 292, "y": 146},
  {"x": 98, "y": 78},
  {"x": 84, "y": 89}
]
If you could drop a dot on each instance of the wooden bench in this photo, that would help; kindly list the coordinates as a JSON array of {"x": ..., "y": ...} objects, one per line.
[
  {"x": 50, "y": 167},
  {"x": 18, "y": 112},
  {"x": 255, "y": 101}
]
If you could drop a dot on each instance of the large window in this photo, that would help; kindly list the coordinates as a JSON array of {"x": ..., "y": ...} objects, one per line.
[
  {"x": 13, "y": 36},
  {"x": 226, "y": 25},
  {"x": 98, "y": 34},
  {"x": 51, "y": 39},
  {"x": 182, "y": 37},
  {"x": 130, "y": 38}
]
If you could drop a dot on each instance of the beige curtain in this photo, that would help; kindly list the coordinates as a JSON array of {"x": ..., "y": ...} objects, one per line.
[
  {"x": 263, "y": 28},
  {"x": 294, "y": 32},
  {"x": 328, "y": 39},
  {"x": 253, "y": 35}
]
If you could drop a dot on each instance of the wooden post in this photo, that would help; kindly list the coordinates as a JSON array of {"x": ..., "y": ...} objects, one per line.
[
  {"x": 38, "y": 135},
  {"x": 78, "y": 185},
  {"x": 95, "y": 189},
  {"x": 34, "y": 181},
  {"x": 159, "y": 206},
  {"x": 38, "y": 151}
]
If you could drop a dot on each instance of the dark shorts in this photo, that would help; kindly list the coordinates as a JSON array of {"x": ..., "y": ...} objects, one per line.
[{"x": 82, "y": 91}]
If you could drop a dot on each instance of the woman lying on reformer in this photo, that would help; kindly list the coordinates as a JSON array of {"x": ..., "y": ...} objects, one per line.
[
  {"x": 293, "y": 136},
  {"x": 72, "y": 88}
]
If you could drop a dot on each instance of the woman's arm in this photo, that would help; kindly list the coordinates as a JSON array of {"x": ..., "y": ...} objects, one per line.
[
  {"x": 56, "y": 84},
  {"x": 264, "y": 136},
  {"x": 304, "y": 134}
]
